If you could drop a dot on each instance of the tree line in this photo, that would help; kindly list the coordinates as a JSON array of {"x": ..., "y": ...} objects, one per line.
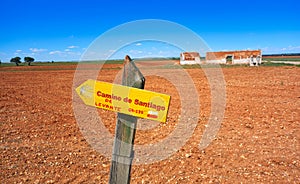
[{"x": 17, "y": 60}]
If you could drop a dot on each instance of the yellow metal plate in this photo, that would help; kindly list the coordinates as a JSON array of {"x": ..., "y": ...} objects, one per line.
[{"x": 124, "y": 99}]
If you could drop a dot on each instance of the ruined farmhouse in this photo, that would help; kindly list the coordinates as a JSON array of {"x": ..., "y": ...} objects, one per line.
[
  {"x": 252, "y": 57},
  {"x": 189, "y": 58}
]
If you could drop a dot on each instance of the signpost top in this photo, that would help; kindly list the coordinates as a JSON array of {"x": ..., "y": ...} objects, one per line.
[{"x": 131, "y": 74}]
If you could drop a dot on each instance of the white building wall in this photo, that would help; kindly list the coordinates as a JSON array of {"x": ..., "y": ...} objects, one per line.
[
  {"x": 218, "y": 61},
  {"x": 190, "y": 62},
  {"x": 241, "y": 61},
  {"x": 235, "y": 61}
]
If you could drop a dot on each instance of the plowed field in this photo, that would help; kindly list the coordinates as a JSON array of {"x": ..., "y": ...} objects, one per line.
[{"x": 258, "y": 141}]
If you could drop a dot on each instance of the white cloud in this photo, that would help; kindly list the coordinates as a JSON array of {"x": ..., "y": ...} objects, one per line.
[
  {"x": 138, "y": 44},
  {"x": 67, "y": 50},
  {"x": 290, "y": 49},
  {"x": 55, "y": 52},
  {"x": 283, "y": 49},
  {"x": 65, "y": 54},
  {"x": 135, "y": 51},
  {"x": 18, "y": 50},
  {"x": 72, "y": 47},
  {"x": 37, "y": 50}
]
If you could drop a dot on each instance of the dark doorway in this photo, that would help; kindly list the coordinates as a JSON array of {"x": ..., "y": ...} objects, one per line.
[{"x": 229, "y": 59}]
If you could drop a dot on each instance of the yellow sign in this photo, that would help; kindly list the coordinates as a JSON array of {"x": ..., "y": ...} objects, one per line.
[{"x": 124, "y": 99}]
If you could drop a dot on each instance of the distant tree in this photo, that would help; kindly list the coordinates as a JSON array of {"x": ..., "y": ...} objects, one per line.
[
  {"x": 28, "y": 60},
  {"x": 16, "y": 60}
]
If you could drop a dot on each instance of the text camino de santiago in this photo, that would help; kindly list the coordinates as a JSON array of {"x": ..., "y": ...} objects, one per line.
[{"x": 110, "y": 97}]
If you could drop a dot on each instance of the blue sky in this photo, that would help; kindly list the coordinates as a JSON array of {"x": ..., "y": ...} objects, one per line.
[{"x": 63, "y": 30}]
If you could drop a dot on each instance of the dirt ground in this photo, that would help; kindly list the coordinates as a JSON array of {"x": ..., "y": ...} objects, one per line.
[{"x": 258, "y": 141}]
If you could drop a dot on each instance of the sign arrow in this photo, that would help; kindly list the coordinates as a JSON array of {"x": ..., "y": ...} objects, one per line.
[{"x": 124, "y": 99}]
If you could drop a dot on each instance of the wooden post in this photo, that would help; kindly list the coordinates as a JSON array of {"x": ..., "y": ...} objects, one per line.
[{"x": 125, "y": 130}]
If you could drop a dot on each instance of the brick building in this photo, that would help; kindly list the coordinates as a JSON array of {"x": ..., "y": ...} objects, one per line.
[
  {"x": 252, "y": 57},
  {"x": 188, "y": 58}
]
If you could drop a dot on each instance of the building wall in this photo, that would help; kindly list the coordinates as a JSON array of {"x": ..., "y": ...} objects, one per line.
[
  {"x": 238, "y": 57},
  {"x": 189, "y": 58}
]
